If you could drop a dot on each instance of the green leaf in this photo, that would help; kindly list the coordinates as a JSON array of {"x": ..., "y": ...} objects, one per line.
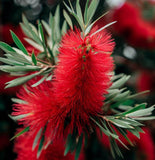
[
  {"x": 34, "y": 59},
  {"x": 141, "y": 112},
  {"x": 68, "y": 8},
  {"x": 57, "y": 24},
  {"x": 121, "y": 96},
  {"x": 41, "y": 33},
  {"x": 26, "y": 30},
  {"x": 20, "y": 133},
  {"x": 114, "y": 148},
  {"x": 120, "y": 123},
  {"x": 64, "y": 28},
  {"x": 99, "y": 30},
  {"x": 36, "y": 140},
  {"x": 91, "y": 10},
  {"x": 78, "y": 147},
  {"x": 18, "y": 43},
  {"x": 21, "y": 80},
  {"x": 89, "y": 27},
  {"x": 7, "y": 68},
  {"x": 132, "y": 122},
  {"x": 39, "y": 82},
  {"x": 10, "y": 61},
  {"x": 69, "y": 21},
  {"x": 34, "y": 36},
  {"x": 5, "y": 47},
  {"x": 113, "y": 135},
  {"x": 79, "y": 11},
  {"x": 40, "y": 147},
  {"x": 120, "y": 82},
  {"x": 49, "y": 78},
  {"x": 47, "y": 27},
  {"x": 34, "y": 44},
  {"x": 85, "y": 12},
  {"x": 81, "y": 24},
  {"x": 106, "y": 131},
  {"x": 134, "y": 132},
  {"x": 137, "y": 107},
  {"x": 112, "y": 93},
  {"x": 124, "y": 134},
  {"x": 145, "y": 118},
  {"x": 70, "y": 144}
]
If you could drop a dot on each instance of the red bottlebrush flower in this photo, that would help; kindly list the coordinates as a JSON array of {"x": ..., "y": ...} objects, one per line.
[
  {"x": 39, "y": 108},
  {"x": 82, "y": 78},
  {"x": 55, "y": 150}
]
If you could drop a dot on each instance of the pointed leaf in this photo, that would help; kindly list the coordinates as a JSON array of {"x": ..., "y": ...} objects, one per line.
[
  {"x": 18, "y": 43},
  {"x": 78, "y": 147},
  {"x": 37, "y": 137},
  {"x": 20, "y": 133},
  {"x": 5, "y": 47},
  {"x": 79, "y": 11},
  {"x": 34, "y": 59},
  {"x": 92, "y": 9},
  {"x": 21, "y": 80},
  {"x": 69, "y": 21}
]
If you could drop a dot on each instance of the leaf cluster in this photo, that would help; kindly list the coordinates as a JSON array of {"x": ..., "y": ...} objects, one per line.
[{"x": 45, "y": 38}]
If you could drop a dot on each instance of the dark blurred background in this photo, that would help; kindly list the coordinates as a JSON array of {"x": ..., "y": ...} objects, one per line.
[{"x": 134, "y": 34}]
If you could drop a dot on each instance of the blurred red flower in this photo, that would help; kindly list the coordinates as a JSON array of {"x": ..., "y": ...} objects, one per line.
[
  {"x": 146, "y": 81},
  {"x": 130, "y": 25}
]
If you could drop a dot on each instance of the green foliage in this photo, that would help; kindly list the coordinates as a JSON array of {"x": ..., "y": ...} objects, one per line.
[
  {"x": 20, "y": 133},
  {"x": 74, "y": 142},
  {"x": 20, "y": 62}
]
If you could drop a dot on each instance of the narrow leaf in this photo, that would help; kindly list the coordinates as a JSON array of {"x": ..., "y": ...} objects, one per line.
[
  {"x": 7, "y": 68},
  {"x": 39, "y": 82},
  {"x": 69, "y": 21},
  {"x": 21, "y": 80},
  {"x": 78, "y": 147},
  {"x": 64, "y": 28},
  {"x": 137, "y": 107},
  {"x": 86, "y": 12},
  {"x": 20, "y": 133},
  {"x": 41, "y": 33},
  {"x": 5, "y": 47},
  {"x": 79, "y": 11},
  {"x": 37, "y": 137},
  {"x": 120, "y": 82},
  {"x": 18, "y": 43},
  {"x": 34, "y": 59},
  {"x": 92, "y": 9},
  {"x": 141, "y": 112},
  {"x": 10, "y": 61},
  {"x": 40, "y": 147},
  {"x": 99, "y": 30}
]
